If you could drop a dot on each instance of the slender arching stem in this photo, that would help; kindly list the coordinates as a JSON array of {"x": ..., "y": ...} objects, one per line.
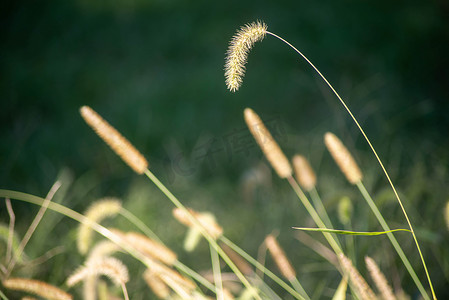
[{"x": 374, "y": 152}]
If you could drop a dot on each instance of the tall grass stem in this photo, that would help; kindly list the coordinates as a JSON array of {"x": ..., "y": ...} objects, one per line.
[{"x": 375, "y": 154}]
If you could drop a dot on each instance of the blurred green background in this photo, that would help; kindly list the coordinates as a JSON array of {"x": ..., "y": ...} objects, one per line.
[{"x": 154, "y": 69}]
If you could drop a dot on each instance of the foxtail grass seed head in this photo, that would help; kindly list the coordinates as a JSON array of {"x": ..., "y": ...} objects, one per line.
[
  {"x": 127, "y": 152},
  {"x": 279, "y": 257},
  {"x": 110, "y": 267},
  {"x": 151, "y": 248},
  {"x": 206, "y": 220},
  {"x": 237, "y": 54},
  {"x": 270, "y": 148},
  {"x": 36, "y": 287},
  {"x": 304, "y": 172},
  {"x": 379, "y": 279},
  {"x": 343, "y": 158},
  {"x": 362, "y": 288},
  {"x": 99, "y": 210}
]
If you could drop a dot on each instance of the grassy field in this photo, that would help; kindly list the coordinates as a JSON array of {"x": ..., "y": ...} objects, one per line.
[{"x": 155, "y": 71}]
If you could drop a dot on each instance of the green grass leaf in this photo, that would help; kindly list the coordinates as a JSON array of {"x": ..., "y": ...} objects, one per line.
[{"x": 349, "y": 232}]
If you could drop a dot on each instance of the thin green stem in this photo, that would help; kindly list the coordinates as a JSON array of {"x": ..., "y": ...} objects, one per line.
[
  {"x": 125, "y": 291},
  {"x": 217, "y": 273},
  {"x": 3, "y": 296},
  {"x": 319, "y": 206},
  {"x": 321, "y": 210},
  {"x": 186, "y": 270},
  {"x": 374, "y": 152},
  {"x": 393, "y": 240},
  {"x": 259, "y": 266},
  {"x": 204, "y": 232},
  {"x": 139, "y": 224},
  {"x": 34, "y": 224},
  {"x": 316, "y": 218},
  {"x": 298, "y": 287}
]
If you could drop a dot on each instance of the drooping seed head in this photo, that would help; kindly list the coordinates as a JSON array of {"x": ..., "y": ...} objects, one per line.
[
  {"x": 343, "y": 158},
  {"x": 99, "y": 210},
  {"x": 237, "y": 54},
  {"x": 110, "y": 267},
  {"x": 379, "y": 279},
  {"x": 279, "y": 257},
  {"x": 304, "y": 172},
  {"x": 118, "y": 143},
  {"x": 270, "y": 148}
]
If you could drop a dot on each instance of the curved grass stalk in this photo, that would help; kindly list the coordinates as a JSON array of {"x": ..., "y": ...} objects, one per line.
[
  {"x": 417, "y": 282},
  {"x": 393, "y": 240},
  {"x": 262, "y": 268},
  {"x": 208, "y": 237},
  {"x": 79, "y": 218}
]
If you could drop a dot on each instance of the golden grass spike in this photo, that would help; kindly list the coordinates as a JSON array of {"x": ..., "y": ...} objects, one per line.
[
  {"x": 304, "y": 172},
  {"x": 270, "y": 148},
  {"x": 130, "y": 155},
  {"x": 159, "y": 288},
  {"x": 205, "y": 219},
  {"x": 362, "y": 288},
  {"x": 99, "y": 210},
  {"x": 343, "y": 158},
  {"x": 279, "y": 257},
  {"x": 151, "y": 248},
  {"x": 237, "y": 54},
  {"x": 379, "y": 279},
  {"x": 36, "y": 287},
  {"x": 111, "y": 267}
]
